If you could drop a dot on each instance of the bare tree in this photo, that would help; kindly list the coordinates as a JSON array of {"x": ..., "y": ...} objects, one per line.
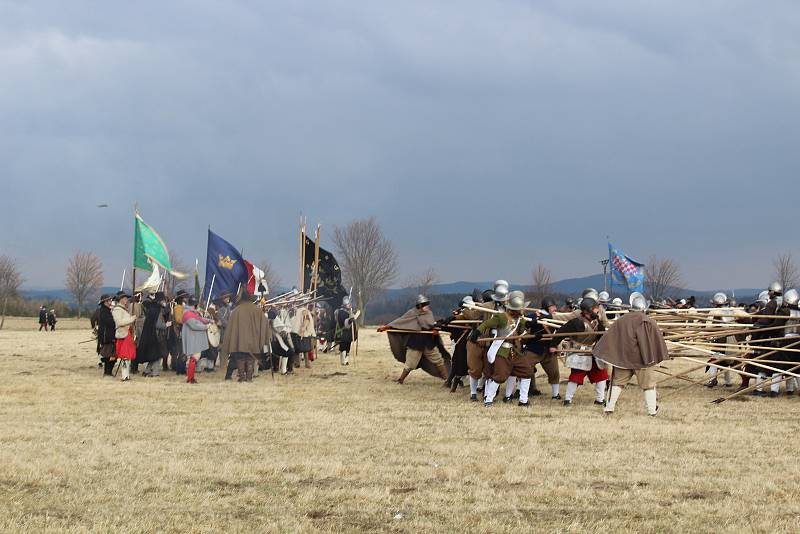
[
  {"x": 84, "y": 277},
  {"x": 271, "y": 276},
  {"x": 786, "y": 271},
  {"x": 10, "y": 281},
  {"x": 661, "y": 276},
  {"x": 423, "y": 281},
  {"x": 368, "y": 259},
  {"x": 542, "y": 278}
]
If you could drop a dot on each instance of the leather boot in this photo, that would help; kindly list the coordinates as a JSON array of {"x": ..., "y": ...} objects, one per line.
[
  {"x": 249, "y": 369},
  {"x": 241, "y": 369},
  {"x": 403, "y": 375}
]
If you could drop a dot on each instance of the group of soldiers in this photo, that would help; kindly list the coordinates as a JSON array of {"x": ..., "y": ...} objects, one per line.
[
  {"x": 161, "y": 333},
  {"x": 47, "y": 319},
  {"x": 778, "y": 314},
  {"x": 498, "y": 339}
]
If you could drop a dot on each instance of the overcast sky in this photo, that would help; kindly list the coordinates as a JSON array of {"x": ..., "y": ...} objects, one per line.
[{"x": 485, "y": 136}]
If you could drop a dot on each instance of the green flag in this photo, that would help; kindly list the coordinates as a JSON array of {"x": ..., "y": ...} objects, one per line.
[{"x": 148, "y": 245}]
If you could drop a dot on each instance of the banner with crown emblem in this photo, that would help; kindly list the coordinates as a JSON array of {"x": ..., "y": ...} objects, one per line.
[{"x": 226, "y": 266}]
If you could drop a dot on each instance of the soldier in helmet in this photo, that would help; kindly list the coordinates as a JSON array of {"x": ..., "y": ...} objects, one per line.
[
  {"x": 422, "y": 345},
  {"x": 788, "y": 309},
  {"x": 477, "y": 364},
  {"x": 589, "y": 293},
  {"x": 505, "y": 357},
  {"x": 346, "y": 329},
  {"x": 582, "y": 364},
  {"x": 633, "y": 345},
  {"x": 719, "y": 301},
  {"x": 770, "y": 309}
]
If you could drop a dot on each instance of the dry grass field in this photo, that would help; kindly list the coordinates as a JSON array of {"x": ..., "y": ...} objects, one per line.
[{"x": 347, "y": 450}]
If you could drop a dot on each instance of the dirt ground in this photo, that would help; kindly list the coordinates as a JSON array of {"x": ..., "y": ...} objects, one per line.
[{"x": 346, "y": 449}]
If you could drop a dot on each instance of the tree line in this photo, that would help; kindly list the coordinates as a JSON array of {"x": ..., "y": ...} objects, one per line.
[{"x": 369, "y": 264}]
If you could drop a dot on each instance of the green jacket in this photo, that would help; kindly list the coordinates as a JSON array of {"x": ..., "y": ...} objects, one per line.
[{"x": 504, "y": 326}]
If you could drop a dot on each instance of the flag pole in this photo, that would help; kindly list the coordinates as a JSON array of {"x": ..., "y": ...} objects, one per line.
[
  {"x": 208, "y": 300},
  {"x": 316, "y": 260},
  {"x": 301, "y": 282},
  {"x": 133, "y": 272},
  {"x": 122, "y": 283}
]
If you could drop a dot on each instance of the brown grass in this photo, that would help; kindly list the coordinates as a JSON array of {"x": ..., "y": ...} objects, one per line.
[{"x": 348, "y": 450}]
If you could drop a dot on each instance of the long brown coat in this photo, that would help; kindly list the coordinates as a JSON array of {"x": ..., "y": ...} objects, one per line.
[
  {"x": 248, "y": 331},
  {"x": 633, "y": 342}
]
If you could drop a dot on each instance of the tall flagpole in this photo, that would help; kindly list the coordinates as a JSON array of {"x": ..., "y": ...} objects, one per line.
[
  {"x": 133, "y": 273},
  {"x": 301, "y": 284},
  {"x": 316, "y": 260}
]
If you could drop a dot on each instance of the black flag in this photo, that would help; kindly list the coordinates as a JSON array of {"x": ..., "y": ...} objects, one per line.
[{"x": 329, "y": 276}]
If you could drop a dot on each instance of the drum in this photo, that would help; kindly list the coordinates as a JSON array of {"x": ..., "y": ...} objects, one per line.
[{"x": 213, "y": 335}]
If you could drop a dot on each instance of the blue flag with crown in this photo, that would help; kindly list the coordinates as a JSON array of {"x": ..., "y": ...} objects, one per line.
[{"x": 624, "y": 270}]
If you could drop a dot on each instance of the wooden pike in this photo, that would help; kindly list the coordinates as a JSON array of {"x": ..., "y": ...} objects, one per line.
[{"x": 768, "y": 383}]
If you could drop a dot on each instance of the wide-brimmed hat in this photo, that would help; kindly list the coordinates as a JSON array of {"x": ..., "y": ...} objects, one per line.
[
  {"x": 103, "y": 298},
  {"x": 160, "y": 296},
  {"x": 121, "y": 295}
]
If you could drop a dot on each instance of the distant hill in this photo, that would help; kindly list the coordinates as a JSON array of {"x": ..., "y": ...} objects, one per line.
[{"x": 61, "y": 294}]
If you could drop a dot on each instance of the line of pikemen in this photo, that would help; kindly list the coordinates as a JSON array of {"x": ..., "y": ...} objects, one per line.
[
  {"x": 258, "y": 333},
  {"x": 496, "y": 338}
]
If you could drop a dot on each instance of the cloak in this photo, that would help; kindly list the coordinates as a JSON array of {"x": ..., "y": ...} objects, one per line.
[
  {"x": 634, "y": 341},
  {"x": 248, "y": 331},
  {"x": 416, "y": 320}
]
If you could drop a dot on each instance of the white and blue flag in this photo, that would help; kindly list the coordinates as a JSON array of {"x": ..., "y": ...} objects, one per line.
[{"x": 624, "y": 270}]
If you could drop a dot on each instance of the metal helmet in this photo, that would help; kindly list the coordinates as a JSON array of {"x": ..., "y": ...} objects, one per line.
[
  {"x": 547, "y": 302},
  {"x": 603, "y": 297},
  {"x": 775, "y": 287},
  {"x": 763, "y": 297},
  {"x": 791, "y": 297},
  {"x": 719, "y": 298},
  {"x": 346, "y": 301},
  {"x": 617, "y": 301},
  {"x": 516, "y": 301},
  {"x": 500, "y": 294},
  {"x": 638, "y": 303},
  {"x": 468, "y": 300},
  {"x": 422, "y": 300},
  {"x": 682, "y": 302},
  {"x": 500, "y": 283},
  {"x": 634, "y": 295},
  {"x": 587, "y": 304},
  {"x": 591, "y": 293}
]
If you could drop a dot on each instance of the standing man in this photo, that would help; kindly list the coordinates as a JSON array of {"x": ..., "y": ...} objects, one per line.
[
  {"x": 151, "y": 344},
  {"x": 634, "y": 345},
  {"x": 505, "y": 358},
  {"x": 346, "y": 329},
  {"x": 51, "y": 319},
  {"x": 774, "y": 292},
  {"x": 247, "y": 335},
  {"x": 194, "y": 337},
  {"x": 106, "y": 333},
  {"x": 478, "y": 367},
  {"x": 42, "y": 318},
  {"x": 125, "y": 346},
  {"x": 541, "y": 352},
  {"x": 583, "y": 364}
]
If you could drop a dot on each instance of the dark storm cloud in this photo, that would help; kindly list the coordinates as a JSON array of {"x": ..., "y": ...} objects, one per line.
[{"x": 485, "y": 137}]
